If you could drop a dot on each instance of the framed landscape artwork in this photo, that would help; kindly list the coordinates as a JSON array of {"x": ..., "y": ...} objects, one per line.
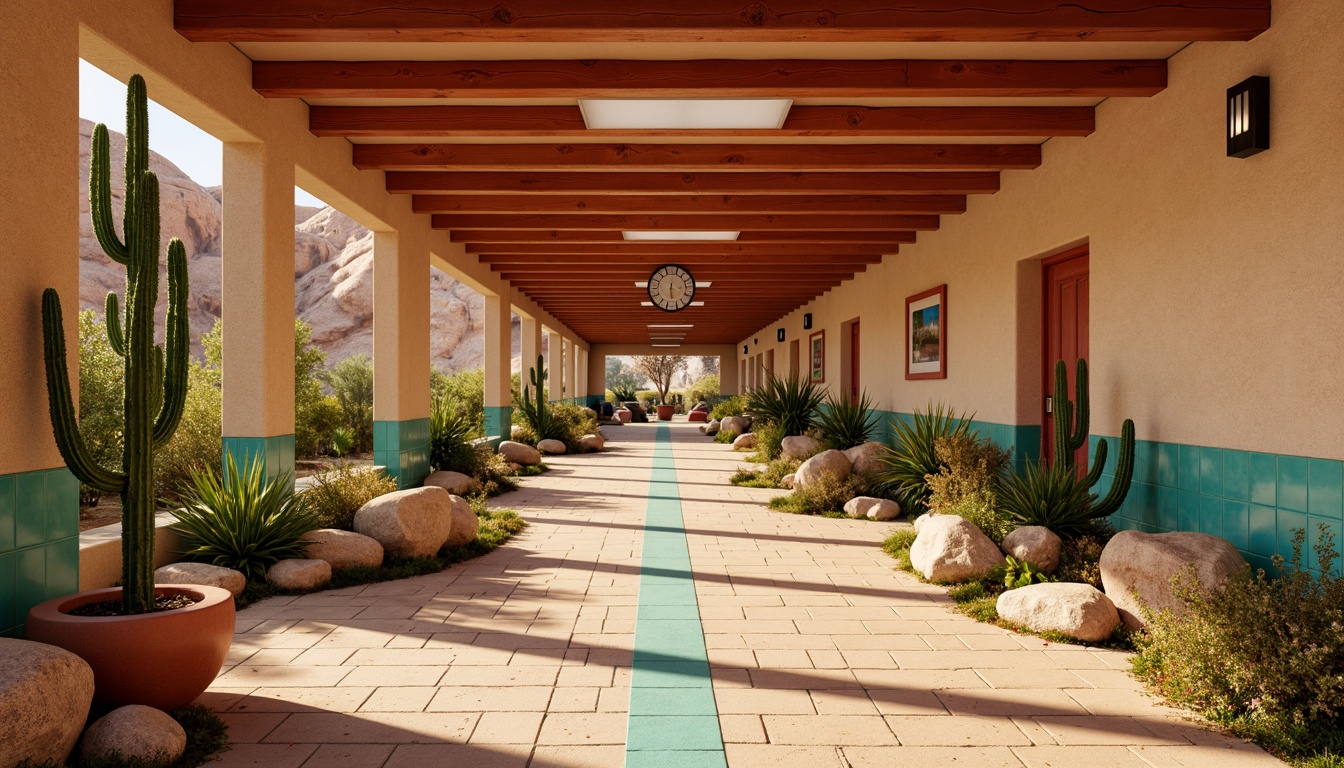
[
  {"x": 926, "y": 334},
  {"x": 817, "y": 355}
]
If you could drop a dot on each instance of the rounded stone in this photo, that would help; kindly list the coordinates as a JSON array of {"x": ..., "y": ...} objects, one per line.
[
  {"x": 410, "y": 523},
  {"x": 135, "y": 732},
  {"x": 465, "y": 524},
  {"x": 343, "y": 549},
  {"x": 800, "y": 446},
  {"x": 592, "y": 443},
  {"x": 826, "y": 462},
  {"x": 202, "y": 573},
  {"x": 1137, "y": 569},
  {"x": 45, "y": 693},
  {"x": 299, "y": 573},
  {"x": 734, "y": 424},
  {"x": 551, "y": 447},
  {"x": 1035, "y": 544},
  {"x": 519, "y": 453},
  {"x": 452, "y": 482},
  {"x": 866, "y": 459},
  {"x": 788, "y": 480},
  {"x": 950, "y": 549},
  {"x": 1080, "y": 611},
  {"x": 745, "y": 442},
  {"x": 712, "y": 428},
  {"x": 859, "y": 505}
]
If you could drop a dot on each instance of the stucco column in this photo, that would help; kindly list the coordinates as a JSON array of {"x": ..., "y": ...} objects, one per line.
[
  {"x": 529, "y": 344},
  {"x": 597, "y": 375},
  {"x": 728, "y": 381},
  {"x": 498, "y": 367},
  {"x": 572, "y": 370},
  {"x": 257, "y": 299},
  {"x": 400, "y": 360},
  {"x": 555, "y": 365},
  {"x": 39, "y": 214},
  {"x": 581, "y": 376}
]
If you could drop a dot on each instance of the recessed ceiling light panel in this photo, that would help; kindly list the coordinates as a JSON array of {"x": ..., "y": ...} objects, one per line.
[
  {"x": 684, "y": 114},
  {"x": 679, "y": 235}
]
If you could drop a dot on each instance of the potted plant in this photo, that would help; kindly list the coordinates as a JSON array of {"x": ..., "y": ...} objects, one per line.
[
  {"x": 665, "y": 412},
  {"x": 155, "y": 645}
]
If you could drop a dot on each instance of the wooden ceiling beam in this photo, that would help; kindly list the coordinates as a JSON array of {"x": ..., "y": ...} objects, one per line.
[
  {"x": 732, "y": 222},
  {"x": 566, "y": 123},
  {"x": 485, "y": 238},
  {"x": 836, "y": 205},
  {"x": 683, "y": 158},
  {"x": 710, "y": 78},
  {"x": 686, "y": 183},
  {"x": 685, "y": 259}
]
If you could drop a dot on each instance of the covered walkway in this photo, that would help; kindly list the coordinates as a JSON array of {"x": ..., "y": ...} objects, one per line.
[{"x": 579, "y": 644}]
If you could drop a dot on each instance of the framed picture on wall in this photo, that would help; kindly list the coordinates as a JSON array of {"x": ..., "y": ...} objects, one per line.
[
  {"x": 926, "y": 334},
  {"x": 817, "y": 346}
]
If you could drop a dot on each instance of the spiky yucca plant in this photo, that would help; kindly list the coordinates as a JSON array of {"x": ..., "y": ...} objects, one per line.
[
  {"x": 155, "y": 376},
  {"x": 845, "y": 422},
  {"x": 450, "y": 437},
  {"x": 790, "y": 404},
  {"x": 912, "y": 457},
  {"x": 1049, "y": 495}
]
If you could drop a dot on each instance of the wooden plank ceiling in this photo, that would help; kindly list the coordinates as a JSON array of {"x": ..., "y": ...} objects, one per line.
[{"x": 900, "y": 111}]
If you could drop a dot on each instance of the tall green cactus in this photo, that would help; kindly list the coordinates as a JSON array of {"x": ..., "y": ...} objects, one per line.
[
  {"x": 536, "y": 412},
  {"x": 155, "y": 377},
  {"x": 1072, "y": 423}
]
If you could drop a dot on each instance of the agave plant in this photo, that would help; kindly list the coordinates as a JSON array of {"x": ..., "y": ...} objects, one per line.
[
  {"x": 1052, "y": 495},
  {"x": 242, "y": 520},
  {"x": 791, "y": 404},
  {"x": 845, "y": 422},
  {"x": 451, "y": 433},
  {"x": 624, "y": 394},
  {"x": 913, "y": 457}
]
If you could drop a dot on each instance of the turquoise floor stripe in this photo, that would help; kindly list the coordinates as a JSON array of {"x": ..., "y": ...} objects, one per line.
[{"x": 674, "y": 722}]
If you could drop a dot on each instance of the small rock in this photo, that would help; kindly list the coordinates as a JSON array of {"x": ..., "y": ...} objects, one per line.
[
  {"x": 1144, "y": 563},
  {"x": 551, "y": 447},
  {"x": 410, "y": 523},
  {"x": 788, "y": 480},
  {"x": 452, "y": 482},
  {"x": 800, "y": 447},
  {"x": 1036, "y": 544},
  {"x": 45, "y": 693},
  {"x": 465, "y": 524},
  {"x": 1080, "y": 611},
  {"x": 712, "y": 428},
  {"x": 343, "y": 549},
  {"x": 136, "y": 732},
  {"x": 299, "y": 573},
  {"x": 885, "y": 509},
  {"x": 858, "y": 506},
  {"x": 592, "y": 443},
  {"x": 202, "y": 573},
  {"x": 734, "y": 424},
  {"x": 833, "y": 462},
  {"x": 519, "y": 453},
  {"x": 745, "y": 442},
  {"x": 950, "y": 549},
  {"x": 867, "y": 458}
]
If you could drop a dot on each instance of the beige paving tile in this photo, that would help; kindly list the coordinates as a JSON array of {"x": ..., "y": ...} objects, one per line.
[
  {"x": 1071, "y": 757},
  {"x": 961, "y": 757},
  {"x": 476, "y": 756},
  {"x": 954, "y": 731},
  {"x": 1017, "y": 702},
  {"x": 576, "y": 757},
  {"x": 264, "y": 755},
  {"x": 742, "y": 729},
  {"x": 782, "y": 756},
  {"x": 390, "y": 676},
  {"x": 246, "y": 728},
  {"x": 375, "y": 728},
  {"x": 302, "y": 700},
  {"x": 350, "y": 756},
  {"x": 838, "y": 730},
  {"x": 507, "y": 728},
  {"x": 399, "y": 699},
  {"x": 581, "y": 729},
  {"x": 490, "y": 699}
]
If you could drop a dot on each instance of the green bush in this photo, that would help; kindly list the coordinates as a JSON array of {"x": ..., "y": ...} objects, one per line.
[
  {"x": 451, "y": 437},
  {"x": 1080, "y": 560},
  {"x": 770, "y": 476},
  {"x": 979, "y": 509},
  {"x": 574, "y": 421},
  {"x": 1019, "y": 573},
  {"x": 725, "y": 437},
  {"x": 769, "y": 441},
  {"x": 705, "y": 388},
  {"x": 734, "y": 405},
  {"x": 351, "y": 382},
  {"x": 964, "y": 485},
  {"x": 466, "y": 390},
  {"x": 1260, "y": 655},
  {"x": 1049, "y": 495},
  {"x": 845, "y": 423},
  {"x": 788, "y": 403},
  {"x": 907, "y": 463},
  {"x": 196, "y": 446},
  {"x": 242, "y": 520},
  {"x": 494, "y": 474},
  {"x": 316, "y": 415},
  {"x": 826, "y": 495},
  {"x": 101, "y": 371},
  {"x": 337, "y": 494}
]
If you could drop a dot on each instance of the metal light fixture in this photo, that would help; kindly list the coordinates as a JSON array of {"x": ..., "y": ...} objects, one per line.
[
  {"x": 1248, "y": 117},
  {"x": 807, "y": 321},
  {"x": 779, "y": 335}
]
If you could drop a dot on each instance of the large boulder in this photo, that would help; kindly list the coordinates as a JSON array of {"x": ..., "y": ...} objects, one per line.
[
  {"x": 734, "y": 424},
  {"x": 745, "y": 442},
  {"x": 865, "y": 459},
  {"x": 45, "y": 693},
  {"x": 800, "y": 446},
  {"x": 551, "y": 447},
  {"x": 452, "y": 482},
  {"x": 343, "y": 549},
  {"x": 136, "y": 732},
  {"x": 832, "y": 462},
  {"x": 1137, "y": 568},
  {"x": 202, "y": 573},
  {"x": 299, "y": 573},
  {"x": 592, "y": 443},
  {"x": 1036, "y": 544},
  {"x": 949, "y": 548},
  {"x": 410, "y": 523},
  {"x": 465, "y": 524},
  {"x": 519, "y": 453},
  {"x": 1080, "y": 611},
  {"x": 712, "y": 428}
]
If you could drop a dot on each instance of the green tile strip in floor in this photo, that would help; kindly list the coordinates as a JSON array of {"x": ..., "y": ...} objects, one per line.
[{"x": 674, "y": 722}]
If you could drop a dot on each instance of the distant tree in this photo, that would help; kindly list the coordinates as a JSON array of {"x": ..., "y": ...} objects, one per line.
[
  {"x": 660, "y": 369},
  {"x": 351, "y": 381},
  {"x": 709, "y": 364},
  {"x": 619, "y": 376}
]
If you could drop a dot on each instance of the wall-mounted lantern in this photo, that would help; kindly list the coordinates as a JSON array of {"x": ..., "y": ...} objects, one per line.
[
  {"x": 779, "y": 335},
  {"x": 807, "y": 321},
  {"x": 744, "y": 349},
  {"x": 1248, "y": 117}
]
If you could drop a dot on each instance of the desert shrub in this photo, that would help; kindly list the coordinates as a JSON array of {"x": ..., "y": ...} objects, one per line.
[
  {"x": 788, "y": 403},
  {"x": 624, "y": 394},
  {"x": 573, "y": 422},
  {"x": 725, "y": 437},
  {"x": 964, "y": 485},
  {"x": 735, "y": 405},
  {"x": 466, "y": 390},
  {"x": 845, "y": 423},
  {"x": 336, "y": 495},
  {"x": 101, "y": 392},
  {"x": 826, "y": 495},
  {"x": 316, "y": 415},
  {"x": 1080, "y": 560},
  {"x": 770, "y": 476},
  {"x": 899, "y": 541},
  {"x": 351, "y": 382},
  {"x": 242, "y": 520},
  {"x": 979, "y": 509},
  {"x": 494, "y": 474},
  {"x": 451, "y": 437},
  {"x": 912, "y": 457},
  {"x": 705, "y": 388},
  {"x": 769, "y": 441},
  {"x": 1260, "y": 655},
  {"x": 1049, "y": 495},
  {"x": 196, "y": 446}
]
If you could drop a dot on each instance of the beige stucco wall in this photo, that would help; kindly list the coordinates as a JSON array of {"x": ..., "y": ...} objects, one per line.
[{"x": 1217, "y": 284}]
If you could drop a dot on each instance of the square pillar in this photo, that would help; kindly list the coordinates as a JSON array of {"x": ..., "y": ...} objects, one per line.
[
  {"x": 555, "y": 365},
  {"x": 572, "y": 371},
  {"x": 498, "y": 367},
  {"x": 529, "y": 344},
  {"x": 596, "y": 378},
  {"x": 257, "y": 305},
  {"x": 400, "y": 360}
]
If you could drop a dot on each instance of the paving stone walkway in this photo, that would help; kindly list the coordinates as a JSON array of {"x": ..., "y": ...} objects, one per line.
[{"x": 818, "y": 653}]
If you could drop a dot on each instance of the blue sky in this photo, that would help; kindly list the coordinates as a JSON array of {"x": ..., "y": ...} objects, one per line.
[{"x": 102, "y": 99}]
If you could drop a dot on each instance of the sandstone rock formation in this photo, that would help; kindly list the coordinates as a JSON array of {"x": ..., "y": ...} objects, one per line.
[{"x": 410, "y": 523}]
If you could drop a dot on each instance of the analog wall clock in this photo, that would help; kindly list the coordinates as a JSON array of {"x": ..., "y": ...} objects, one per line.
[{"x": 671, "y": 288}]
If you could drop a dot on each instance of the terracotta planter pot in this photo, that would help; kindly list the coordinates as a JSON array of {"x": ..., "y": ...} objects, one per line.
[
  {"x": 162, "y": 660},
  {"x": 665, "y": 412},
  {"x": 623, "y": 415}
]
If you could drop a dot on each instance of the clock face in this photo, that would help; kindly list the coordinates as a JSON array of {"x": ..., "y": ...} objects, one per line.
[{"x": 671, "y": 288}]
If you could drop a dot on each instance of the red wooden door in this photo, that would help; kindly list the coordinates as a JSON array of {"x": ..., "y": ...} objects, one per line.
[
  {"x": 1065, "y": 338},
  {"x": 854, "y": 361}
]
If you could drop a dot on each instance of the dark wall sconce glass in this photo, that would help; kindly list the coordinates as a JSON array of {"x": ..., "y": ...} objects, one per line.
[
  {"x": 779, "y": 335},
  {"x": 807, "y": 321},
  {"x": 744, "y": 349},
  {"x": 1248, "y": 117}
]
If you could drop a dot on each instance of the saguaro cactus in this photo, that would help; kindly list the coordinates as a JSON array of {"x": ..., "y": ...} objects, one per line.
[
  {"x": 537, "y": 412},
  {"x": 1071, "y": 429},
  {"x": 155, "y": 376}
]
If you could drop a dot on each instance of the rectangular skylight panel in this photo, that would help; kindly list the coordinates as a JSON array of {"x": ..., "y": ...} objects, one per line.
[
  {"x": 684, "y": 114},
  {"x": 679, "y": 235}
]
